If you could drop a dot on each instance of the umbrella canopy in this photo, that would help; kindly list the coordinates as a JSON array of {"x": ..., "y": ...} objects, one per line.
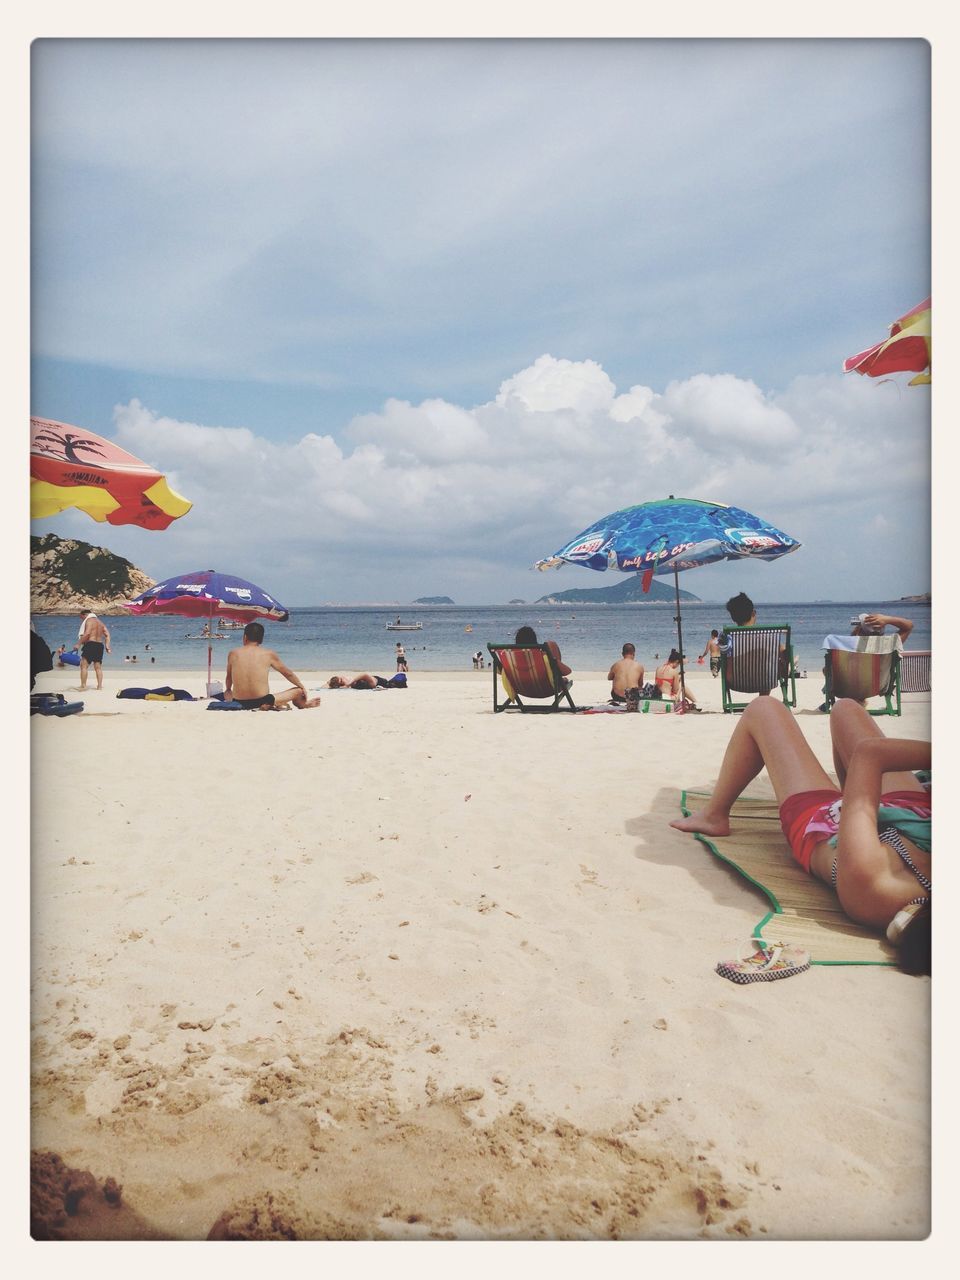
[
  {"x": 655, "y": 538},
  {"x": 672, "y": 534},
  {"x": 74, "y": 468},
  {"x": 907, "y": 350},
  {"x": 206, "y": 593}
]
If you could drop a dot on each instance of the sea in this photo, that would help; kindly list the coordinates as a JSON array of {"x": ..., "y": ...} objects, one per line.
[{"x": 348, "y": 639}]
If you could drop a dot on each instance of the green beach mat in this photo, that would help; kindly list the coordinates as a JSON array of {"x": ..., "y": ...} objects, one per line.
[{"x": 804, "y": 910}]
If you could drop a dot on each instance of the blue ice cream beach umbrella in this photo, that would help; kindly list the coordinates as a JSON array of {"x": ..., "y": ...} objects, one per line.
[
  {"x": 207, "y": 593},
  {"x": 657, "y": 538}
]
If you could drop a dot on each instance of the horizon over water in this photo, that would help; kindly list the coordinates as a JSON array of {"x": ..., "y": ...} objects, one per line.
[{"x": 352, "y": 638}]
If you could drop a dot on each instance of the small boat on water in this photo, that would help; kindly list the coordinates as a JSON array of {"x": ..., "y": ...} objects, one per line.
[
  {"x": 234, "y": 624},
  {"x": 404, "y": 626}
]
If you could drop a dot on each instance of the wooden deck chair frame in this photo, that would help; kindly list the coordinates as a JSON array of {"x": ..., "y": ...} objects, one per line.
[
  {"x": 543, "y": 681},
  {"x": 758, "y": 672},
  {"x": 871, "y": 684}
]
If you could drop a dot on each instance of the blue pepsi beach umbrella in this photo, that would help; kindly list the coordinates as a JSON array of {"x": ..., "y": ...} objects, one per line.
[
  {"x": 206, "y": 594},
  {"x": 657, "y": 538}
]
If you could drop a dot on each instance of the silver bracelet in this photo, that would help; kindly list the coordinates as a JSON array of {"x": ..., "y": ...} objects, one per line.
[{"x": 833, "y": 872}]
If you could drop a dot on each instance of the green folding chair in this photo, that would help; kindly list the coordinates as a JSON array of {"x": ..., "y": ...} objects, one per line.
[{"x": 757, "y": 660}]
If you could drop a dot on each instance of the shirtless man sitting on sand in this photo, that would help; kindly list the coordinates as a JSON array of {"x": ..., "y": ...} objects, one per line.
[
  {"x": 248, "y": 676},
  {"x": 625, "y": 674}
]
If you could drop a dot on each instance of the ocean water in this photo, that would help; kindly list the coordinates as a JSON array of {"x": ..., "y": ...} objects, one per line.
[{"x": 355, "y": 639}]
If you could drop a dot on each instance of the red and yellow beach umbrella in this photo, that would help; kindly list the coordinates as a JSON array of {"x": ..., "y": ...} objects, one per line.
[
  {"x": 907, "y": 350},
  {"x": 74, "y": 468}
]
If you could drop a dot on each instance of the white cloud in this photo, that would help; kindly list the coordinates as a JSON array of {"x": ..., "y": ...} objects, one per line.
[{"x": 510, "y": 480}]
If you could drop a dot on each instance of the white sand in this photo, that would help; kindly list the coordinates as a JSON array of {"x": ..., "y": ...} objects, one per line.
[{"x": 399, "y": 967}]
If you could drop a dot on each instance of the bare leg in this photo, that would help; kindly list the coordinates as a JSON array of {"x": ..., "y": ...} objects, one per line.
[
  {"x": 98, "y": 670},
  {"x": 851, "y": 724},
  {"x": 84, "y": 667},
  {"x": 766, "y": 735},
  {"x": 295, "y": 697}
]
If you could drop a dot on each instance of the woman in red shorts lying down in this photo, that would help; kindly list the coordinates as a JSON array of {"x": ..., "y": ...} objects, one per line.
[{"x": 870, "y": 839}]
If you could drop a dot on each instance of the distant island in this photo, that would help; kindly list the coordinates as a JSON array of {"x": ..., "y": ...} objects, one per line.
[
  {"x": 629, "y": 591},
  {"x": 924, "y": 598},
  {"x": 517, "y": 602},
  {"x": 433, "y": 600},
  {"x": 67, "y": 576}
]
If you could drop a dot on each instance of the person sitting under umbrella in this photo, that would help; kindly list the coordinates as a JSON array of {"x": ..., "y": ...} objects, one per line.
[
  {"x": 668, "y": 680},
  {"x": 248, "y": 676},
  {"x": 869, "y": 838}
]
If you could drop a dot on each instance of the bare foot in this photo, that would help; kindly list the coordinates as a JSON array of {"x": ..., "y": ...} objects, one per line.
[
  {"x": 704, "y": 823},
  {"x": 314, "y": 702}
]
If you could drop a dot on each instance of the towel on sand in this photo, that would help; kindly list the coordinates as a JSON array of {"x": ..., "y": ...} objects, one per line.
[{"x": 803, "y": 910}]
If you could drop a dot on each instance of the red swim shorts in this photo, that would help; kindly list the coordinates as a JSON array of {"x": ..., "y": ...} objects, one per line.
[{"x": 805, "y": 822}]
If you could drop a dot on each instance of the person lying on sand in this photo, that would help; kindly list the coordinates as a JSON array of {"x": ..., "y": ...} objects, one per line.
[
  {"x": 363, "y": 681},
  {"x": 248, "y": 676},
  {"x": 869, "y": 839}
]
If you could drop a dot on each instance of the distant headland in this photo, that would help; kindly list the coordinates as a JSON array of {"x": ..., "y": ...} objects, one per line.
[
  {"x": 67, "y": 576},
  {"x": 629, "y": 591}
]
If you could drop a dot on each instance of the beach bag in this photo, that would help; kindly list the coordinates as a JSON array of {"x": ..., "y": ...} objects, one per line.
[
  {"x": 399, "y": 681},
  {"x": 53, "y": 704},
  {"x": 651, "y": 693}
]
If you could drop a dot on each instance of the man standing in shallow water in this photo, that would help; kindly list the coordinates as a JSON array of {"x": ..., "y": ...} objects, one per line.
[
  {"x": 94, "y": 638},
  {"x": 248, "y": 676}
]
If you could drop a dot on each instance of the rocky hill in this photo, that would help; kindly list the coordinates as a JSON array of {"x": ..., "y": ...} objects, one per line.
[
  {"x": 68, "y": 576},
  {"x": 627, "y": 591}
]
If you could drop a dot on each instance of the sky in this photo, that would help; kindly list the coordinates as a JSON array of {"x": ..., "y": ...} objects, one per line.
[{"x": 401, "y": 317}]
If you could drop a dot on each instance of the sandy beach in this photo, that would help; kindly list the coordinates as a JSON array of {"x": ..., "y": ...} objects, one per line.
[{"x": 398, "y": 968}]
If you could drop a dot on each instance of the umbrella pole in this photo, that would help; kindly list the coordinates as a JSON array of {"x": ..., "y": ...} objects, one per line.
[
  {"x": 210, "y": 650},
  {"x": 676, "y": 583}
]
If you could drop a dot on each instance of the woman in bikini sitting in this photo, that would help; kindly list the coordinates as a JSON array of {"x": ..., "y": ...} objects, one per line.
[
  {"x": 869, "y": 839},
  {"x": 668, "y": 680}
]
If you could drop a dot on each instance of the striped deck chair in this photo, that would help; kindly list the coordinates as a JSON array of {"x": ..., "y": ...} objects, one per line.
[
  {"x": 872, "y": 672},
  {"x": 915, "y": 671},
  {"x": 527, "y": 669},
  {"x": 757, "y": 660}
]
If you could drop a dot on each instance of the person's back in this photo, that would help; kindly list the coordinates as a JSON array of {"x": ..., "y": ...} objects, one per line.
[
  {"x": 250, "y": 668},
  {"x": 93, "y": 630},
  {"x": 625, "y": 674},
  {"x": 248, "y": 676}
]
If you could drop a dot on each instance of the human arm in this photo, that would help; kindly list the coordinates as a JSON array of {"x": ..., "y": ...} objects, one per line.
[
  {"x": 555, "y": 654},
  {"x": 869, "y": 890},
  {"x": 611, "y": 674},
  {"x": 228, "y": 689},
  {"x": 904, "y": 625},
  {"x": 106, "y": 637},
  {"x": 286, "y": 672}
]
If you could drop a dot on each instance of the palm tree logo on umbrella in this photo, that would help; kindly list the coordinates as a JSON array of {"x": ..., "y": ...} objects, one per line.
[{"x": 68, "y": 442}]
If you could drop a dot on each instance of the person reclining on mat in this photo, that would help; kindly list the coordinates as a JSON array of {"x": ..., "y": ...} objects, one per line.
[
  {"x": 869, "y": 838},
  {"x": 363, "y": 681},
  {"x": 248, "y": 676},
  {"x": 625, "y": 674}
]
